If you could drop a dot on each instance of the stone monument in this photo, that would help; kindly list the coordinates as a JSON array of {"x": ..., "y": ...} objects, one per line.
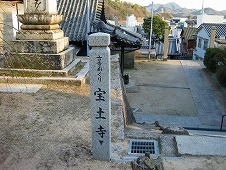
[
  {"x": 41, "y": 43},
  {"x": 100, "y": 95}
]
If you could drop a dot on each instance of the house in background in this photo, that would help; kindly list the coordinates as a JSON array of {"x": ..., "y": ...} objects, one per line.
[
  {"x": 8, "y": 21},
  {"x": 204, "y": 18},
  {"x": 203, "y": 34},
  {"x": 188, "y": 41}
]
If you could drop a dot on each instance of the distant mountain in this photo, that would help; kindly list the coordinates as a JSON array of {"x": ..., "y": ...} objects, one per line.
[
  {"x": 177, "y": 11},
  {"x": 172, "y": 6}
]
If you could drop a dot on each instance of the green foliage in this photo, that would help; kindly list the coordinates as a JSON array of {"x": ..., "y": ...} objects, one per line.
[
  {"x": 221, "y": 75},
  {"x": 158, "y": 26},
  {"x": 209, "y": 59},
  {"x": 122, "y": 9}
]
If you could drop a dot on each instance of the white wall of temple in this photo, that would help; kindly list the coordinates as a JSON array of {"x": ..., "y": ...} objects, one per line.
[{"x": 209, "y": 19}]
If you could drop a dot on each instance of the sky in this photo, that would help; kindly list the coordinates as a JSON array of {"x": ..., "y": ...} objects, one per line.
[{"x": 191, "y": 4}]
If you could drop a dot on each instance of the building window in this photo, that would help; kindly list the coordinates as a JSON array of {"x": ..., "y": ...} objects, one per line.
[
  {"x": 200, "y": 43},
  {"x": 205, "y": 44}
]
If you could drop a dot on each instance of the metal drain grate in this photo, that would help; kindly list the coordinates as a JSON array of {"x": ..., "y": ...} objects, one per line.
[{"x": 140, "y": 147}]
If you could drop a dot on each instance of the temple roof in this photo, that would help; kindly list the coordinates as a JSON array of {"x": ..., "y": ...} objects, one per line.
[
  {"x": 75, "y": 22},
  {"x": 75, "y": 17}
]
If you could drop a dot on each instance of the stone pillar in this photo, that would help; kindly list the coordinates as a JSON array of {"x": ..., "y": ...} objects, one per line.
[
  {"x": 100, "y": 95},
  {"x": 166, "y": 44},
  {"x": 212, "y": 38},
  {"x": 41, "y": 43}
]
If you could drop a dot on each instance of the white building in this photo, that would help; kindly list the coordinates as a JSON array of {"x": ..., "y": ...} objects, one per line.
[
  {"x": 203, "y": 34},
  {"x": 131, "y": 21},
  {"x": 204, "y": 18}
]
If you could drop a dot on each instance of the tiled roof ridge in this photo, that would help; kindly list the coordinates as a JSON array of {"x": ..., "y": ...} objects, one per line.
[
  {"x": 221, "y": 28},
  {"x": 74, "y": 24}
]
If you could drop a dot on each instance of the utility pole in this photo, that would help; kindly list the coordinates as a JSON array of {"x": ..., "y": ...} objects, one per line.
[
  {"x": 203, "y": 8},
  {"x": 87, "y": 27},
  {"x": 151, "y": 30}
]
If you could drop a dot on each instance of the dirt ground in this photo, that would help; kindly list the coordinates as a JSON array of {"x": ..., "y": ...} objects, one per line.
[
  {"x": 162, "y": 86},
  {"x": 49, "y": 130}
]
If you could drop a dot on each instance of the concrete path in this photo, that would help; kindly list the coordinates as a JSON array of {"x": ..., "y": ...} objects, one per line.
[
  {"x": 208, "y": 108},
  {"x": 20, "y": 88},
  {"x": 177, "y": 93},
  {"x": 201, "y": 145}
]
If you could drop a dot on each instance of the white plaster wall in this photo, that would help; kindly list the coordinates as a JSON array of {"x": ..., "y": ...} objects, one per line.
[
  {"x": 131, "y": 21},
  {"x": 199, "y": 51},
  {"x": 209, "y": 19}
]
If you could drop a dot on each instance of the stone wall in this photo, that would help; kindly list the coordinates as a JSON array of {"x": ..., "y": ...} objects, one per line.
[
  {"x": 117, "y": 102},
  {"x": 129, "y": 58}
]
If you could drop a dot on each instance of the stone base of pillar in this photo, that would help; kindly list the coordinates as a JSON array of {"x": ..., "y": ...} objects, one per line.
[
  {"x": 40, "y": 73},
  {"x": 39, "y": 34},
  {"x": 40, "y": 46},
  {"x": 164, "y": 59},
  {"x": 39, "y": 60}
]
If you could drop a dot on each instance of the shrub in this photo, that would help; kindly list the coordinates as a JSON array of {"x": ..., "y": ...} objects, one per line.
[
  {"x": 209, "y": 58},
  {"x": 221, "y": 75},
  {"x": 221, "y": 57}
]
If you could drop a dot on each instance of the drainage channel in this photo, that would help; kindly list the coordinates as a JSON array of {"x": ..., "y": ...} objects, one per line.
[{"x": 140, "y": 147}]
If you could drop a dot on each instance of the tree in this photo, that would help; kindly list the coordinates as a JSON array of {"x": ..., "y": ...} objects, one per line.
[{"x": 158, "y": 26}]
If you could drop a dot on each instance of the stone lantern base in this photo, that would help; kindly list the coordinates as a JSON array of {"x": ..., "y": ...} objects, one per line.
[{"x": 40, "y": 44}]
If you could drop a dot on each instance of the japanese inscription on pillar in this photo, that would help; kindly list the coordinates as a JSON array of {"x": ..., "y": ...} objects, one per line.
[
  {"x": 100, "y": 95},
  {"x": 40, "y": 6}
]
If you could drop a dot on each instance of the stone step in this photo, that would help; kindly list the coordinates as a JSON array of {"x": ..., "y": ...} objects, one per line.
[
  {"x": 183, "y": 121},
  {"x": 207, "y": 133},
  {"x": 191, "y": 123},
  {"x": 83, "y": 74},
  {"x": 80, "y": 78},
  {"x": 11, "y": 72}
]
